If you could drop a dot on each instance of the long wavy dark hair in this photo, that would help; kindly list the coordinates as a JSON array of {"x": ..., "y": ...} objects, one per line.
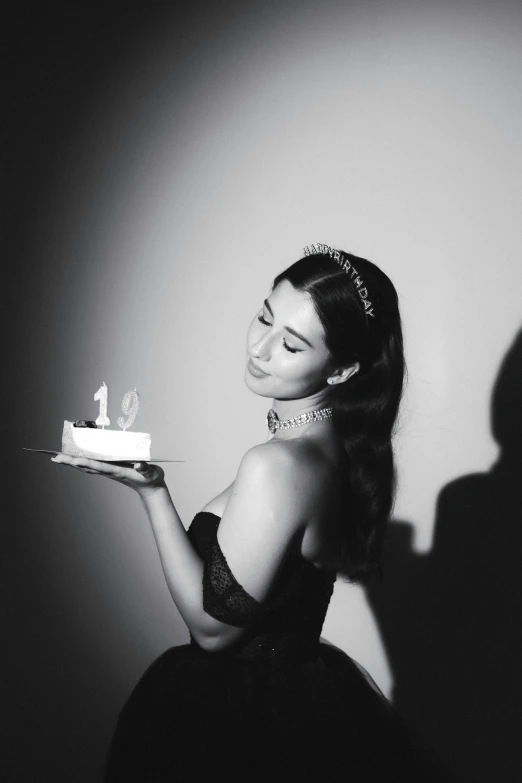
[{"x": 366, "y": 406}]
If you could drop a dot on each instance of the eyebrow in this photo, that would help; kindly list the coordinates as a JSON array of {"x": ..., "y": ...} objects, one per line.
[{"x": 288, "y": 328}]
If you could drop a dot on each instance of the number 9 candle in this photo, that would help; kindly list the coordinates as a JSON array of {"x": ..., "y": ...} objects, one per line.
[{"x": 129, "y": 405}]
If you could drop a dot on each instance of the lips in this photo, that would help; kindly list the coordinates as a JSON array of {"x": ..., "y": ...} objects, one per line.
[{"x": 255, "y": 368}]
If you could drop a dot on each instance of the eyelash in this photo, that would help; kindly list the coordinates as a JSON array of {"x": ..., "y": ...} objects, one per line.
[{"x": 266, "y": 323}]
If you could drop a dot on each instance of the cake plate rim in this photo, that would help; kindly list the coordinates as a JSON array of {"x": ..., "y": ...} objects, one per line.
[{"x": 104, "y": 459}]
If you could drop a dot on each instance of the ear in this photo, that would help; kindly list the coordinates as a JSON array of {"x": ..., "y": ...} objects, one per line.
[{"x": 342, "y": 375}]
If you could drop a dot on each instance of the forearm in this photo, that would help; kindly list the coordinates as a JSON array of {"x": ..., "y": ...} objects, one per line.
[{"x": 182, "y": 566}]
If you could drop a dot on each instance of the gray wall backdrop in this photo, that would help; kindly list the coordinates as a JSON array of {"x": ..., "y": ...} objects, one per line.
[{"x": 163, "y": 166}]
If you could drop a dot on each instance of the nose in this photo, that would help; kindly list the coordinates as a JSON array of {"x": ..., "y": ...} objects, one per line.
[{"x": 259, "y": 350}]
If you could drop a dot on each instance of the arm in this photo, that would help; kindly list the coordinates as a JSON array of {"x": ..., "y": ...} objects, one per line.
[
  {"x": 182, "y": 566},
  {"x": 260, "y": 521},
  {"x": 262, "y": 518}
]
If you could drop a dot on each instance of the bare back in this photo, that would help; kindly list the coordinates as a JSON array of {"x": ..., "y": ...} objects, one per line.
[{"x": 321, "y": 472}]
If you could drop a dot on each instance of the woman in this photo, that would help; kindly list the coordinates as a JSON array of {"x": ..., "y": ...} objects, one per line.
[{"x": 257, "y": 692}]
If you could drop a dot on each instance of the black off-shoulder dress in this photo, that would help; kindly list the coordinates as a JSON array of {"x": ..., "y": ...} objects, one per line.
[{"x": 281, "y": 705}]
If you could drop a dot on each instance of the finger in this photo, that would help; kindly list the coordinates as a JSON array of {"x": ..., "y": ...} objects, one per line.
[
  {"x": 142, "y": 467},
  {"x": 82, "y": 470},
  {"x": 103, "y": 468}
]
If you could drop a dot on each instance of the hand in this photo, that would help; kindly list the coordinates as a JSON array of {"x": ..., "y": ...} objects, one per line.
[{"x": 143, "y": 478}]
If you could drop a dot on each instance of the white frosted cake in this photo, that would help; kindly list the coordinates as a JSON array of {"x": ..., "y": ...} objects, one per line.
[{"x": 87, "y": 440}]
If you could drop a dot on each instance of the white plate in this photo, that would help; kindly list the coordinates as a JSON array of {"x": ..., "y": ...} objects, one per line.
[{"x": 102, "y": 459}]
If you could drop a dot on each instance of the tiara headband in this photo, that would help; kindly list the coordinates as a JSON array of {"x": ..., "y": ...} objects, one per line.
[{"x": 341, "y": 259}]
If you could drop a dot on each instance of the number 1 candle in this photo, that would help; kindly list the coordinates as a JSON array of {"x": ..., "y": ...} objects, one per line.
[{"x": 103, "y": 396}]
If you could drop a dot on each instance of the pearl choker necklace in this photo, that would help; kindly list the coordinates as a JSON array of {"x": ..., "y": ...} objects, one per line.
[{"x": 274, "y": 423}]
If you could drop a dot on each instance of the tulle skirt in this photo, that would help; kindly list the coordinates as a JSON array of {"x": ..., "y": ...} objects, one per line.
[{"x": 196, "y": 715}]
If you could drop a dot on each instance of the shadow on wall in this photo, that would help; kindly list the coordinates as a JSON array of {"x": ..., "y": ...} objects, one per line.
[{"x": 451, "y": 620}]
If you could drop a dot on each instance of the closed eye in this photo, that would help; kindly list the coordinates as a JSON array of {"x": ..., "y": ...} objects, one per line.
[{"x": 267, "y": 323}]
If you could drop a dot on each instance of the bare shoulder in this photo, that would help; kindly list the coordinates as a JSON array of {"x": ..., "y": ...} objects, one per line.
[
  {"x": 259, "y": 464},
  {"x": 269, "y": 464},
  {"x": 294, "y": 472},
  {"x": 265, "y": 517},
  {"x": 291, "y": 456},
  {"x": 296, "y": 453}
]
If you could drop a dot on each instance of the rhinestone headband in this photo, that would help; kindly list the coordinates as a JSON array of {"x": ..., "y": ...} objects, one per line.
[{"x": 341, "y": 259}]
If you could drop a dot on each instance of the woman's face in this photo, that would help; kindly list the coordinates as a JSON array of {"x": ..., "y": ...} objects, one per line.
[{"x": 295, "y": 366}]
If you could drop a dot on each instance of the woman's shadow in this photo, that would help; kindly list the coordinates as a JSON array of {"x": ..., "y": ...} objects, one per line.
[{"x": 451, "y": 619}]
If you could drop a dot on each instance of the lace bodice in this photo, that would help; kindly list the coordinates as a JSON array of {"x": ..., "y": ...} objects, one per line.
[{"x": 286, "y": 626}]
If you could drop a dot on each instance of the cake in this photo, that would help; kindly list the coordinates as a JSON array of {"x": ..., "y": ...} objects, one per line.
[{"x": 85, "y": 439}]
